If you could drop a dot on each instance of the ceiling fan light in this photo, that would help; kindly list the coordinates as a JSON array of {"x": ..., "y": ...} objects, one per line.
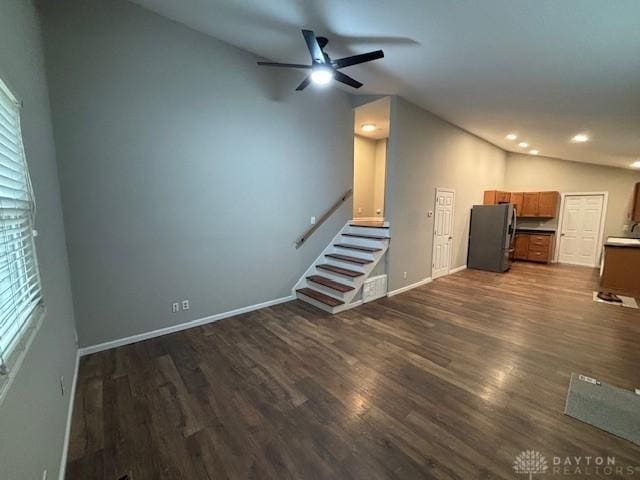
[{"x": 321, "y": 75}]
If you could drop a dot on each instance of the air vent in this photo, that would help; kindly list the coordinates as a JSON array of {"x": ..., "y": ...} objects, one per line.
[{"x": 374, "y": 288}]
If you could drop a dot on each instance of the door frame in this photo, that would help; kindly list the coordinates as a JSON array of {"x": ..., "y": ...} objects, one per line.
[
  {"x": 433, "y": 236},
  {"x": 603, "y": 218}
]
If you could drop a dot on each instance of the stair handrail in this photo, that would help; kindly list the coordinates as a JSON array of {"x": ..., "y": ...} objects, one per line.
[{"x": 303, "y": 238}]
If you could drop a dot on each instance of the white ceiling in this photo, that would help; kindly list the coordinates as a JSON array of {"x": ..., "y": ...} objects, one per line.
[
  {"x": 376, "y": 113},
  {"x": 545, "y": 69}
]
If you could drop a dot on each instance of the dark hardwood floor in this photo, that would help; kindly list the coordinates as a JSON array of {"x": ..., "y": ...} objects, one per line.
[{"x": 449, "y": 380}]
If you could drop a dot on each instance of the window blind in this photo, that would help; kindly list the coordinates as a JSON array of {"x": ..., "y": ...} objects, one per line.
[{"x": 20, "y": 290}]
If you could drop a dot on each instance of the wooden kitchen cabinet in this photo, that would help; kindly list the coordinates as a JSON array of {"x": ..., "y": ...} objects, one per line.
[
  {"x": 503, "y": 197},
  {"x": 534, "y": 247},
  {"x": 635, "y": 204},
  {"x": 517, "y": 198},
  {"x": 535, "y": 204},
  {"x": 620, "y": 270},
  {"x": 490, "y": 197},
  {"x": 494, "y": 197},
  {"x": 548, "y": 204},
  {"x": 521, "y": 246},
  {"x": 530, "y": 203}
]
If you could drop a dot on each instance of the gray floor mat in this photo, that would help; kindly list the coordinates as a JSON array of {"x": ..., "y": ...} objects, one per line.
[{"x": 609, "y": 408}]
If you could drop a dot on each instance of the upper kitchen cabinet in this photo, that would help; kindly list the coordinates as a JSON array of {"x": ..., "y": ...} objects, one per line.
[
  {"x": 548, "y": 204},
  {"x": 494, "y": 197},
  {"x": 532, "y": 204},
  {"x": 635, "y": 204},
  {"x": 517, "y": 198}
]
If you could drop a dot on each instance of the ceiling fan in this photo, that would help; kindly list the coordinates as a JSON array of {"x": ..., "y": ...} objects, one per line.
[{"x": 323, "y": 69}]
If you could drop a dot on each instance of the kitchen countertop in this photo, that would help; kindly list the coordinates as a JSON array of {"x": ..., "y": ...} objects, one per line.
[
  {"x": 613, "y": 243},
  {"x": 549, "y": 231}
]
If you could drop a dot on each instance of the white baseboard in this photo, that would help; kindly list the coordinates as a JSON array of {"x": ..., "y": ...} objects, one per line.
[
  {"x": 409, "y": 287},
  {"x": 182, "y": 326},
  {"x": 67, "y": 430},
  {"x": 457, "y": 269}
]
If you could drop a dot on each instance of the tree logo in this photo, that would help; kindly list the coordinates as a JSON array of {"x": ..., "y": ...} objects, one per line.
[{"x": 530, "y": 462}]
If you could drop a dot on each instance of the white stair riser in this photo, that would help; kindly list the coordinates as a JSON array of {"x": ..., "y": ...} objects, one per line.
[
  {"x": 364, "y": 242},
  {"x": 327, "y": 291},
  {"x": 383, "y": 232},
  {"x": 315, "y": 303},
  {"x": 354, "y": 253},
  {"x": 337, "y": 278},
  {"x": 348, "y": 265}
]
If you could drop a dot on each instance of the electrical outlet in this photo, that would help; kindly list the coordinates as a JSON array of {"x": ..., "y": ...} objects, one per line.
[
  {"x": 313, "y": 220},
  {"x": 44, "y": 474},
  {"x": 404, "y": 275},
  {"x": 62, "y": 385},
  {"x": 185, "y": 304},
  {"x": 75, "y": 336},
  {"x": 175, "y": 307}
]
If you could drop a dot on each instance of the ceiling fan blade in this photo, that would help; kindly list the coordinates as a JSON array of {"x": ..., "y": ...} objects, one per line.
[
  {"x": 285, "y": 65},
  {"x": 356, "y": 59},
  {"x": 304, "y": 83},
  {"x": 346, "y": 79},
  {"x": 314, "y": 48}
]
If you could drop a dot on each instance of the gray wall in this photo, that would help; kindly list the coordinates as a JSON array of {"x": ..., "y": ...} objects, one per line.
[
  {"x": 33, "y": 414},
  {"x": 187, "y": 171},
  {"x": 424, "y": 153},
  {"x": 527, "y": 173}
]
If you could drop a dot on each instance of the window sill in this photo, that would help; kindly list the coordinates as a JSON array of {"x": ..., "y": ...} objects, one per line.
[{"x": 14, "y": 362}]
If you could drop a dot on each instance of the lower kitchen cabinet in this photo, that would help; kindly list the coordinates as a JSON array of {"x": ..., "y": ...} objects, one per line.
[
  {"x": 521, "y": 247},
  {"x": 534, "y": 247}
]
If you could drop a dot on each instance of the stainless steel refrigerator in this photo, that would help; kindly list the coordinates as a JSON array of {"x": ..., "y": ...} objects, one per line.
[{"x": 491, "y": 237}]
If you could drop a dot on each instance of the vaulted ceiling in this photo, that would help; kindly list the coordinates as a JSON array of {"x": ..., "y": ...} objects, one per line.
[{"x": 543, "y": 69}]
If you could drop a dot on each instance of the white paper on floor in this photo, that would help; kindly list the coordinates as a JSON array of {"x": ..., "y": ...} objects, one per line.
[{"x": 626, "y": 301}]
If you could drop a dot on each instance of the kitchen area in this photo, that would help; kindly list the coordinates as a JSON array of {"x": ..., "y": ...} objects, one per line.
[
  {"x": 512, "y": 226},
  {"x": 547, "y": 226},
  {"x": 620, "y": 269},
  {"x": 537, "y": 222}
]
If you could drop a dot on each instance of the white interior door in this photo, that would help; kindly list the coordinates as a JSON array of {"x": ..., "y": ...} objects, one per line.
[
  {"x": 442, "y": 232},
  {"x": 581, "y": 220}
]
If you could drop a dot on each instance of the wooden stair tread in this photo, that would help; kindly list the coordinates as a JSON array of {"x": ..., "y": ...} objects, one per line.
[
  {"x": 369, "y": 225},
  {"x": 370, "y": 237},
  {"x": 320, "y": 297},
  {"x": 340, "y": 271},
  {"x": 348, "y": 258},
  {"x": 356, "y": 247},
  {"x": 327, "y": 282}
]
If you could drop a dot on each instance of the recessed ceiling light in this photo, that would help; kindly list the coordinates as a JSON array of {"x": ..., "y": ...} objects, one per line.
[
  {"x": 368, "y": 127},
  {"x": 636, "y": 164},
  {"x": 322, "y": 75},
  {"x": 523, "y": 144},
  {"x": 580, "y": 138},
  {"x": 511, "y": 136},
  {"x": 534, "y": 152}
]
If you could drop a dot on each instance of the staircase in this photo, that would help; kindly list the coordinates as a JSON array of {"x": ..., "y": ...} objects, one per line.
[{"x": 334, "y": 282}]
